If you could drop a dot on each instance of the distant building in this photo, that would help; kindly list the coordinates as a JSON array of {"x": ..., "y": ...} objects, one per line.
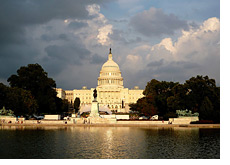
[{"x": 110, "y": 90}]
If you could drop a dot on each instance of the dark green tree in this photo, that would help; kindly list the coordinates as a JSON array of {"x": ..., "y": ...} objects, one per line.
[
  {"x": 145, "y": 106},
  {"x": 3, "y": 95},
  {"x": 206, "y": 110},
  {"x": 179, "y": 99},
  {"x": 160, "y": 91},
  {"x": 34, "y": 79},
  {"x": 151, "y": 88},
  {"x": 19, "y": 100},
  {"x": 202, "y": 89},
  {"x": 196, "y": 94},
  {"x": 62, "y": 105},
  {"x": 76, "y": 104}
]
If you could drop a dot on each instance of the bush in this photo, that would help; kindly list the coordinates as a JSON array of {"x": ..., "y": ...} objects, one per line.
[{"x": 170, "y": 115}]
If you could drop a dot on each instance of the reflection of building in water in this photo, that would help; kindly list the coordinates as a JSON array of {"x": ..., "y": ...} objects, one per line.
[{"x": 110, "y": 89}]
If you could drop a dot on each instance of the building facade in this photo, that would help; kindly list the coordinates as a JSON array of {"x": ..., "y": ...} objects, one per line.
[{"x": 110, "y": 90}]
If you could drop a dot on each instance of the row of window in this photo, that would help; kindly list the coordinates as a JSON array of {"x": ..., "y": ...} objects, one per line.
[
  {"x": 101, "y": 82},
  {"x": 82, "y": 94},
  {"x": 110, "y": 74}
]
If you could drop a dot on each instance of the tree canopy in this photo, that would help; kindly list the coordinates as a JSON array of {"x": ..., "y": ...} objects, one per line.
[
  {"x": 19, "y": 100},
  {"x": 33, "y": 80},
  {"x": 76, "y": 104},
  {"x": 199, "y": 94}
]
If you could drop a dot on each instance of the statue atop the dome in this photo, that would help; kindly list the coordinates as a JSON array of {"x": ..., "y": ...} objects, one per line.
[
  {"x": 110, "y": 54},
  {"x": 95, "y": 94}
]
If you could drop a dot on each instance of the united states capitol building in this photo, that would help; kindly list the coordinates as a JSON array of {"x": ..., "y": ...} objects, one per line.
[{"x": 110, "y": 90}]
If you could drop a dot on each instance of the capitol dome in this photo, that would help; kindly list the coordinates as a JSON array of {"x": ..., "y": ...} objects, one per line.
[{"x": 110, "y": 74}]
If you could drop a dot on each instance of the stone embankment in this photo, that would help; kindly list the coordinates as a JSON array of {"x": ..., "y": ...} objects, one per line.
[
  {"x": 116, "y": 125},
  {"x": 105, "y": 122}
]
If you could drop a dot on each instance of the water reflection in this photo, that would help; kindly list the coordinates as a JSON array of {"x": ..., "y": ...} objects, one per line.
[
  {"x": 108, "y": 142},
  {"x": 20, "y": 127}
]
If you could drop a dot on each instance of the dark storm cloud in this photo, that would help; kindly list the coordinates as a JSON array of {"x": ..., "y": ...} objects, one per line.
[
  {"x": 154, "y": 22},
  {"x": 77, "y": 25},
  {"x": 19, "y": 44},
  {"x": 13, "y": 57},
  {"x": 177, "y": 71},
  {"x": 60, "y": 57},
  {"x": 96, "y": 59},
  {"x": 73, "y": 54},
  {"x": 49, "y": 37},
  {"x": 16, "y": 15},
  {"x": 37, "y": 12}
]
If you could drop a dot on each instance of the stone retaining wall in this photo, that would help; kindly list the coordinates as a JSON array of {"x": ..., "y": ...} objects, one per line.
[
  {"x": 142, "y": 122},
  {"x": 6, "y": 119},
  {"x": 180, "y": 120}
]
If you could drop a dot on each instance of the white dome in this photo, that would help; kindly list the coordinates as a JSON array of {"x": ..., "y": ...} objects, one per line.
[
  {"x": 110, "y": 73},
  {"x": 110, "y": 65}
]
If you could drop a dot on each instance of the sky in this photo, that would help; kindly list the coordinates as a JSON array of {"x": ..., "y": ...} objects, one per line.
[{"x": 150, "y": 39}]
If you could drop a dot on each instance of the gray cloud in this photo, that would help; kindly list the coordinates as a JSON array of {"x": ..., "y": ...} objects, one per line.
[
  {"x": 29, "y": 35},
  {"x": 14, "y": 56},
  {"x": 77, "y": 25},
  {"x": 120, "y": 20},
  {"x": 154, "y": 22},
  {"x": 60, "y": 57},
  {"x": 119, "y": 36},
  {"x": 155, "y": 63},
  {"x": 16, "y": 15},
  {"x": 176, "y": 68},
  {"x": 176, "y": 71},
  {"x": 49, "y": 37},
  {"x": 73, "y": 54},
  {"x": 96, "y": 59}
]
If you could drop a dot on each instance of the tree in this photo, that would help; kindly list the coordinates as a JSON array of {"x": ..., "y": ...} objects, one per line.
[
  {"x": 206, "y": 110},
  {"x": 76, "y": 104},
  {"x": 19, "y": 100},
  {"x": 151, "y": 88},
  {"x": 34, "y": 79},
  {"x": 160, "y": 91},
  {"x": 179, "y": 99},
  {"x": 62, "y": 105},
  {"x": 199, "y": 87},
  {"x": 145, "y": 106},
  {"x": 198, "y": 94},
  {"x": 3, "y": 95},
  {"x": 203, "y": 91}
]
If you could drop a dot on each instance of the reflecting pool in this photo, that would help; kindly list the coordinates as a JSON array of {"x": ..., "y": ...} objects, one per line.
[{"x": 18, "y": 142}]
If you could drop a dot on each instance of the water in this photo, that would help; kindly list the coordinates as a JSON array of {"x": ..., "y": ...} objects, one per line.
[{"x": 108, "y": 143}]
